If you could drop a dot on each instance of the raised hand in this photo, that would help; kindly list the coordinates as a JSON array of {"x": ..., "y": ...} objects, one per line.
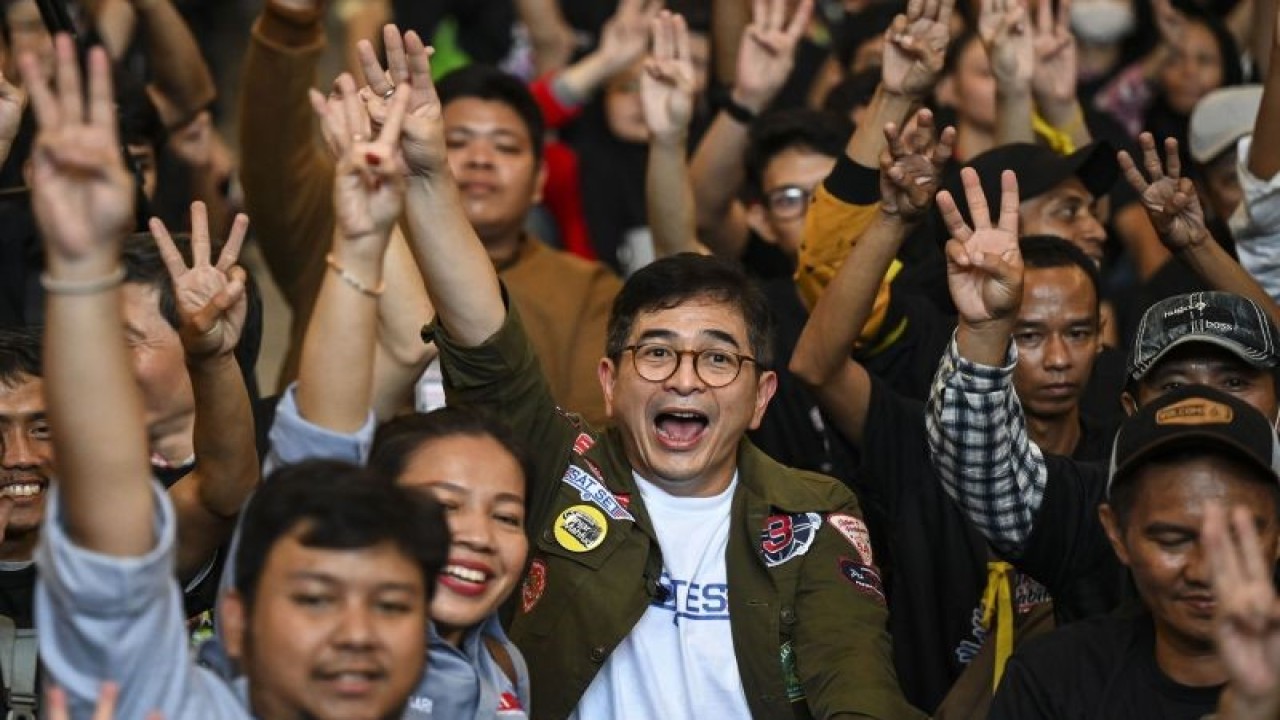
[
  {"x": 767, "y": 51},
  {"x": 1247, "y": 613},
  {"x": 915, "y": 47},
  {"x": 1006, "y": 33},
  {"x": 1170, "y": 200},
  {"x": 211, "y": 296},
  {"x": 911, "y": 165},
  {"x": 56, "y": 704},
  {"x": 984, "y": 264},
  {"x": 1171, "y": 24},
  {"x": 666, "y": 87},
  {"x": 369, "y": 183},
  {"x": 422, "y": 130},
  {"x": 13, "y": 100},
  {"x": 1056, "y": 60},
  {"x": 81, "y": 193},
  {"x": 625, "y": 36}
]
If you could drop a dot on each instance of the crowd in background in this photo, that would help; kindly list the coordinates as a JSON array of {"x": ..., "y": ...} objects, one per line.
[{"x": 639, "y": 359}]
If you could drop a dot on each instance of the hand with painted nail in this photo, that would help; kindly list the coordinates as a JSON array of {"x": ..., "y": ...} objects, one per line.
[
  {"x": 422, "y": 129},
  {"x": 911, "y": 166},
  {"x": 211, "y": 298},
  {"x": 369, "y": 184},
  {"x": 984, "y": 264}
]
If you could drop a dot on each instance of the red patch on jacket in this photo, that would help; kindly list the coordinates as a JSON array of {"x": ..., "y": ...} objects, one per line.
[{"x": 535, "y": 582}]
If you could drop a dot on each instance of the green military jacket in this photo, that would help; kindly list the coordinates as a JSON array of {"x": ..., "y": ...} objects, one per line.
[{"x": 806, "y": 608}]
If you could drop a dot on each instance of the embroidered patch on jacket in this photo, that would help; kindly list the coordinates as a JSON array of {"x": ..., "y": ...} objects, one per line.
[
  {"x": 594, "y": 492},
  {"x": 583, "y": 443},
  {"x": 788, "y": 536},
  {"x": 855, "y": 531},
  {"x": 581, "y": 528},
  {"x": 865, "y": 579},
  {"x": 535, "y": 582}
]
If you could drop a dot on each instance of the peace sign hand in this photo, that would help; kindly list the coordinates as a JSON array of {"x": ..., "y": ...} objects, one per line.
[
  {"x": 212, "y": 302},
  {"x": 1171, "y": 201},
  {"x": 984, "y": 264}
]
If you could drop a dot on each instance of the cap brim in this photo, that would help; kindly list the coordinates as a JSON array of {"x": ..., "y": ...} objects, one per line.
[
  {"x": 1250, "y": 357},
  {"x": 1096, "y": 167},
  {"x": 1183, "y": 440}
]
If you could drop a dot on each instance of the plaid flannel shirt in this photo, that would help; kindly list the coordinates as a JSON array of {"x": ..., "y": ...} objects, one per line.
[{"x": 979, "y": 447}]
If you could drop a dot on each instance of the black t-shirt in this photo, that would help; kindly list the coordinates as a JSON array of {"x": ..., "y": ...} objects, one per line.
[
  {"x": 1095, "y": 670},
  {"x": 936, "y": 569},
  {"x": 1068, "y": 551},
  {"x": 793, "y": 431}
]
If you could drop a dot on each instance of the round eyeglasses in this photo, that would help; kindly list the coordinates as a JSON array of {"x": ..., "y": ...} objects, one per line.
[
  {"x": 716, "y": 368},
  {"x": 788, "y": 202}
]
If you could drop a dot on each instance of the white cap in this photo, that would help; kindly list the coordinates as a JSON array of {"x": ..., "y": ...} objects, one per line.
[{"x": 1221, "y": 118}]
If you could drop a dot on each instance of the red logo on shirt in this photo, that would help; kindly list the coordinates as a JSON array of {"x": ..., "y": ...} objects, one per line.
[
  {"x": 583, "y": 443},
  {"x": 509, "y": 702},
  {"x": 534, "y": 583}
]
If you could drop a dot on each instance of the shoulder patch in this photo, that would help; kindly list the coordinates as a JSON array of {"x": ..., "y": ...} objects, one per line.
[{"x": 855, "y": 531}]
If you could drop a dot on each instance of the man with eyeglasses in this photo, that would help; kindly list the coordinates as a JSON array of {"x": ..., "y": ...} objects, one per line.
[{"x": 675, "y": 570}]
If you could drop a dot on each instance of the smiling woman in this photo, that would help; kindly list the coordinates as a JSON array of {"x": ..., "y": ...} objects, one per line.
[{"x": 474, "y": 468}]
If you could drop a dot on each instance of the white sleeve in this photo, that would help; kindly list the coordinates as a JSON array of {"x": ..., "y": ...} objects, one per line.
[
  {"x": 1255, "y": 225},
  {"x": 104, "y": 617}
]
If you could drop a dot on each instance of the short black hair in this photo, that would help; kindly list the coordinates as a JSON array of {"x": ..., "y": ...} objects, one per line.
[
  {"x": 1124, "y": 492},
  {"x": 1050, "y": 251},
  {"x": 21, "y": 354},
  {"x": 794, "y": 128},
  {"x": 399, "y": 438},
  {"x": 144, "y": 266},
  {"x": 338, "y": 506},
  {"x": 671, "y": 281},
  {"x": 485, "y": 82}
]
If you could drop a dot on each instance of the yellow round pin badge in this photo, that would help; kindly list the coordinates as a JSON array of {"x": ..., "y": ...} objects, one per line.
[{"x": 581, "y": 528}]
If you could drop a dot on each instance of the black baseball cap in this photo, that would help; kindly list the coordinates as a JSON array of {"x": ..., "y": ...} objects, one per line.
[
  {"x": 1195, "y": 417},
  {"x": 1039, "y": 170},
  {"x": 1230, "y": 321}
]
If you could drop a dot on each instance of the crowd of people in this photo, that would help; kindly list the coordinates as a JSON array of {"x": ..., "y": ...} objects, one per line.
[{"x": 713, "y": 358}]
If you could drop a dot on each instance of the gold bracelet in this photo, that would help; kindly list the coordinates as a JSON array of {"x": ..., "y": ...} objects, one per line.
[
  {"x": 354, "y": 281},
  {"x": 109, "y": 281}
]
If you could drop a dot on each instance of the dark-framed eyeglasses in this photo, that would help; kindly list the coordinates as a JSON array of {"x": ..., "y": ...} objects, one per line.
[
  {"x": 788, "y": 202},
  {"x": 716, "y": 368}
]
